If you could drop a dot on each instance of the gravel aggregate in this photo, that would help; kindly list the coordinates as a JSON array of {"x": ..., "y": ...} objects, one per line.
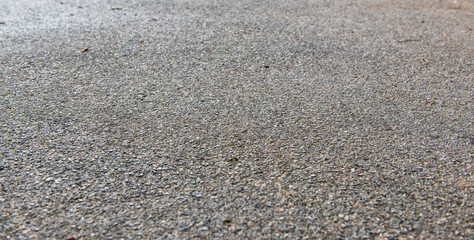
[{"x": 218, "y": 119}]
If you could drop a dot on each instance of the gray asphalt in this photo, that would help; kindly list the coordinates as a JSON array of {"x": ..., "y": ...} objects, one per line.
[{"x": 222, "y": 119}]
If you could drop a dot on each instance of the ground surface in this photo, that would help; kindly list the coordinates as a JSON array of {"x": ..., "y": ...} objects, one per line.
[{"x": 236, "y": 119}]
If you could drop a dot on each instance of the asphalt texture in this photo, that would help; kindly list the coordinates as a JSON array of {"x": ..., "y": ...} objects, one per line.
[{"x": 221, "y": 119}]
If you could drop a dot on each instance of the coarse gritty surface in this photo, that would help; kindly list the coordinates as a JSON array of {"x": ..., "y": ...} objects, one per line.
[{"x": 228, "y": 119}]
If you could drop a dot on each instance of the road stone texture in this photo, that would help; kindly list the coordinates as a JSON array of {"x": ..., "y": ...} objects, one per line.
[{"x": 220, "y": 119}]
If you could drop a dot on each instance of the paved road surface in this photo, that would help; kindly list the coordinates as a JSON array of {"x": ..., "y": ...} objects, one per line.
[{"x": 222, "y": 119}]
